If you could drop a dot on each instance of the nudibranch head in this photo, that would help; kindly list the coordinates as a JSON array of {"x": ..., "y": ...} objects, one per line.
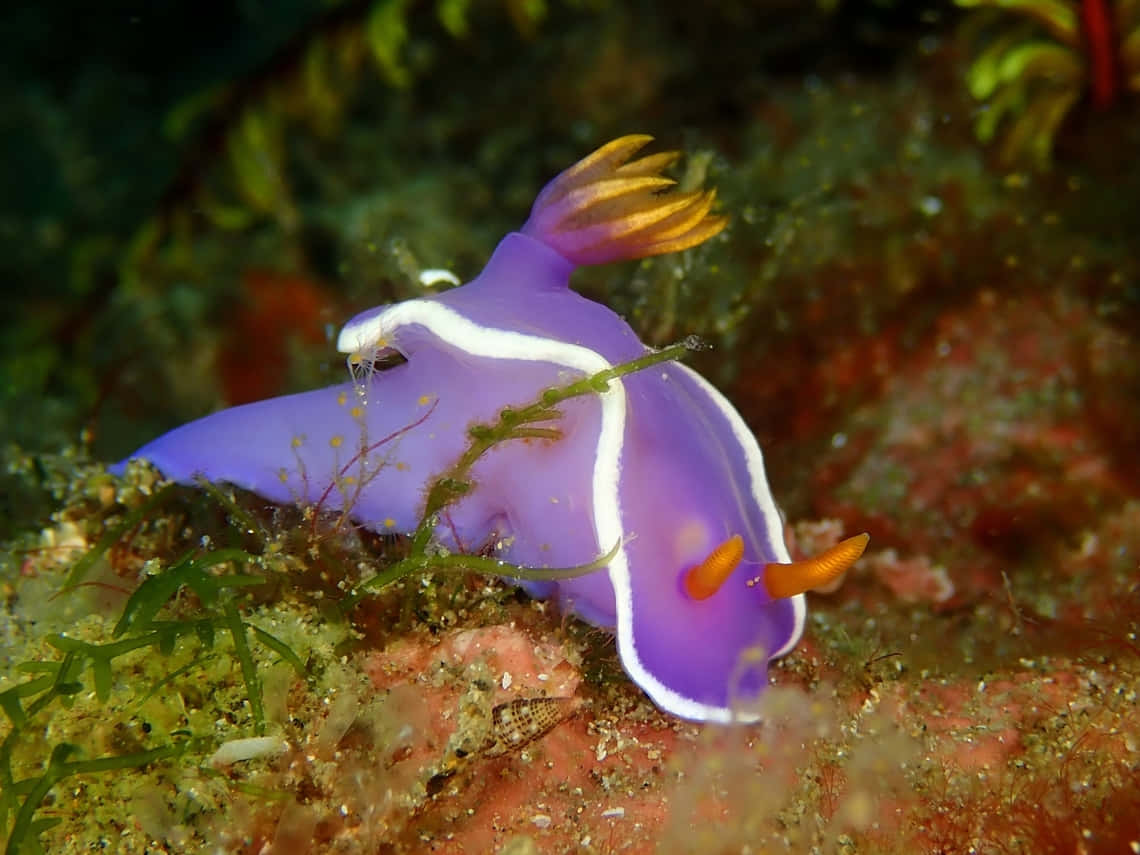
[
  {"x": 608, "y": 208},
  {"x": 656, "y": 480}
]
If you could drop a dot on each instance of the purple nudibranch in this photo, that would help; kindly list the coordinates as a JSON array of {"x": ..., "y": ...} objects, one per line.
[{"x": 701, "y": 591}]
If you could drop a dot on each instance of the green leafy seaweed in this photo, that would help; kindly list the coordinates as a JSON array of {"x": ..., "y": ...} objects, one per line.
[{"x": 199, "y": 597}]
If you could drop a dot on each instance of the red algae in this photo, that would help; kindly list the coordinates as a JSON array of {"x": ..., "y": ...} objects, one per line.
[
  {"x": 978, "y": 452},
  {"x": 276, "y": 312}
]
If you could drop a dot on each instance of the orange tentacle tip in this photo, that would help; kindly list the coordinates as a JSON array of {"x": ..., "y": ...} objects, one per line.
[
  {"x": 706, "y": 578},
  {"x": 608, "y": 208},
  {"x": 788, "y": 580}
]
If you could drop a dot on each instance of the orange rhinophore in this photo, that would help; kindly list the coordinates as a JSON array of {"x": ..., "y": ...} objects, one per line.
[
  {"x": 704, "y": 580},
  {"x": 788, "y": 580}
]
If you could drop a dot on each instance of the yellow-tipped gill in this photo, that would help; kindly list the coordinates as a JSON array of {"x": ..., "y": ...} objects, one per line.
[{"x": 608, "y": 207}]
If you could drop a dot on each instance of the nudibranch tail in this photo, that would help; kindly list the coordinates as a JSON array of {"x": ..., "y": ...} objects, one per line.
[
  {"x": 609, "y": 208},
  {"x": 799, "y": 577},
  {"x": 706, "y": 578}
]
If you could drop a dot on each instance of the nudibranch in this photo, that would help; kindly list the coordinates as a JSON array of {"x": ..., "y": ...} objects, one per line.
[{"x": 659, "y": 473}]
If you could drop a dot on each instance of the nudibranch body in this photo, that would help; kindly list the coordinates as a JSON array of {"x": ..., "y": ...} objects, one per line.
[{"x": 700, "y": 589}]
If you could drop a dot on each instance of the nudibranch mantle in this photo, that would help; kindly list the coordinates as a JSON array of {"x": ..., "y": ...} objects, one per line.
[{"x": 659, "y": 465}]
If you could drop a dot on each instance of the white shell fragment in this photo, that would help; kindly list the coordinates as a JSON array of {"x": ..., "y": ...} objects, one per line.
[
  {"x": 236, "y": 750},
  {"x": 435, "y": 275}
]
